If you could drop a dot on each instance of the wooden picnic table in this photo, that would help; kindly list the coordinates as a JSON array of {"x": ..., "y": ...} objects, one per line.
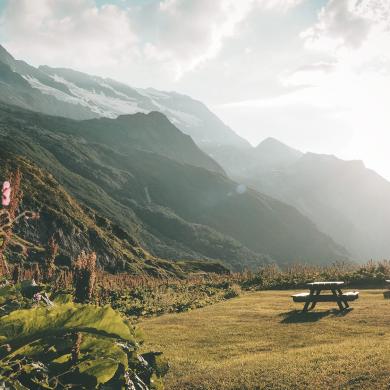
[
  {"x": 311, "y": 298},
  {"x": 386, "y": 294}
]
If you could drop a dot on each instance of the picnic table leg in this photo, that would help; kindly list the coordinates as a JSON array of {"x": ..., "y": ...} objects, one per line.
[
  {"x": 313, "y": 304},
  {"x": 344, "y": 300},
  {"x": 339, "y": 301},
  {"x": 306, "y": 307}
]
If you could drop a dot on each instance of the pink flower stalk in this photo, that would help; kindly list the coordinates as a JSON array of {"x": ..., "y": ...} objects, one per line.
[
  {"x": 6, "y": 194},
  {"x": 37, "y": 297}
]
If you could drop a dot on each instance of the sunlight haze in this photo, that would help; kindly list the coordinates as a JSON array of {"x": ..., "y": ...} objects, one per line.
[{"x": 314, "y": 74}]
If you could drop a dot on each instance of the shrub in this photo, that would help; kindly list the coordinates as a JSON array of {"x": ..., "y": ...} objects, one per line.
[
  {"x": 84, "y": 276},
  {"x": 70, "y": 345},
  {"x": 51, "y": 254},
  {"x": 233, "y": 291}
]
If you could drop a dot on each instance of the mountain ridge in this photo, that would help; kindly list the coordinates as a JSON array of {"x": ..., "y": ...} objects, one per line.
[
  {"x": 173, "y": 209},
  {"x": 81, "y": 96},
  {"x": 343, "y": 198}
]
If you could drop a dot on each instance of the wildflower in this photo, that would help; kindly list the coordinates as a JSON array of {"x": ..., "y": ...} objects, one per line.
[
  {"x": 6, "y": 194},
  {"x": 37, "y": 297}
]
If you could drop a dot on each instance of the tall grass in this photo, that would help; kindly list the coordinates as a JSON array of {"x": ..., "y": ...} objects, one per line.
[{"x": 138, "y": 296}]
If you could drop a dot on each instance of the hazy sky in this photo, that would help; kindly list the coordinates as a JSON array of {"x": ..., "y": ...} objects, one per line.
[{"x": 313, "y": 73}]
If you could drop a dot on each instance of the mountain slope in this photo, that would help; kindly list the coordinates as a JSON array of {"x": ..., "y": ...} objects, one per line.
[
  {"x": 346, "y": 200},
  {"x": 79, "y": 168},
  {"x": 173, "y": 209},
  {"x": 152, "y": 132},
  {"x": 76, "y": 228},
  {"x": 65, "y": 92}
]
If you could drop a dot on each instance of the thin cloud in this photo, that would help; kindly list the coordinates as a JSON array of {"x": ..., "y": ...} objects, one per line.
[{"x": 73, "y": 33}]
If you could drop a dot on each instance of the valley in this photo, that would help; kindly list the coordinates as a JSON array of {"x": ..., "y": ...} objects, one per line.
[
  {"x": 128, "y": 209},
  {"x": 144, "y": 188}
]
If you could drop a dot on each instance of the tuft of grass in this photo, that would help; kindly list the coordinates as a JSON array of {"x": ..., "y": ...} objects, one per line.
[{"x": 261, "y": 341}]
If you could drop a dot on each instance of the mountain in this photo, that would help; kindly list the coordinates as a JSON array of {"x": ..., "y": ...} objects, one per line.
[
  {"x": 243, "y": 161},
  {"x": 76, "y": 95},
  {"x": 344, "y": 199},
  {"x": 16, "y": 89},
  {"x": 150, "y": 132},
  {"x": 121, "y": 170},
  {"x": 273, "y": 154}
]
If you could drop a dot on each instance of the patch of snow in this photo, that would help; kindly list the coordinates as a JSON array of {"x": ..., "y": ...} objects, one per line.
[
  {"x": 188, "y": 120},
  {"x": 100, "y": 103},
  {"x": 120, "y": 94},
  {"x": 47, "y": 90},
  {"x": 153, "y": 93},
  {"x": 109, "y": 106},
  {"x": 178, "y": 118}
]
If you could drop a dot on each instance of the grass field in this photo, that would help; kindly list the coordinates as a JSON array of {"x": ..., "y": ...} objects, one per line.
[{"x": 260, "y": 341}]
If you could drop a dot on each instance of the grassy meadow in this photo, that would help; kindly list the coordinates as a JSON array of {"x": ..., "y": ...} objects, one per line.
[{"x": 260, "y": 341}]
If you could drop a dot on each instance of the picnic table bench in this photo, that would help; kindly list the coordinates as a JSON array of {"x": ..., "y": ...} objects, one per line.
[
  {"x": 386, "y": 294},
  {"x": 311, "y": 298}
]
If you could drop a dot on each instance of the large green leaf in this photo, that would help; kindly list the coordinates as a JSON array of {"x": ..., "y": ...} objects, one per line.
[
  {"x": 8, "y": 293},
  {"x": 99, "y": 356},
  {"x": 22, "y": 326}
]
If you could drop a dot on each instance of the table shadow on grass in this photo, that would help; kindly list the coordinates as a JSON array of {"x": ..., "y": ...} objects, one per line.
[{"x": 299, "y": 316}]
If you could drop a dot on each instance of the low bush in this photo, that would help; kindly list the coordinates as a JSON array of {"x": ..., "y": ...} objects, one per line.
[{"x": 60, "y": 344}]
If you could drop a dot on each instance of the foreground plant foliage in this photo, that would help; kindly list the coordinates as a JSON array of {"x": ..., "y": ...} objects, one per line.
[
  {"x": 170, "y": 298},
  {"x": 39, "y": 349},
  {"x": 76, "y": 345},
  {"x": 64, "y": 341},
  {"x": 140, "y": 296}
]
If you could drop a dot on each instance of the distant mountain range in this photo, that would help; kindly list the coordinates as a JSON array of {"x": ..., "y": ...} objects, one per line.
[
  {"x": 344, "y": 199},
  {"x": 151, "y": 194},
  {"x": 77, "y": 95}
]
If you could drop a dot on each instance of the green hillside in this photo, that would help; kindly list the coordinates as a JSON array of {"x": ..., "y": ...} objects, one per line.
[{"x": 77, "y": 228}]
